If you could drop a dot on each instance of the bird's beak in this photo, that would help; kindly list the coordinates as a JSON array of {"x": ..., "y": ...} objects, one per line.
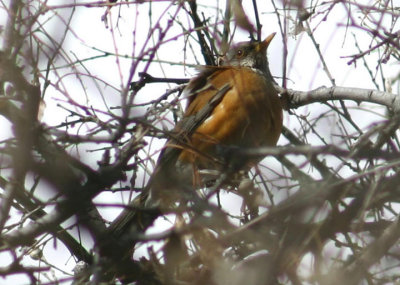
[{"x": 265, "y": 43}]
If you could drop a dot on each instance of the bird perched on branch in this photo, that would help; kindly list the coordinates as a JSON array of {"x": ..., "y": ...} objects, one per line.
[{"x": 232, "y": 105}]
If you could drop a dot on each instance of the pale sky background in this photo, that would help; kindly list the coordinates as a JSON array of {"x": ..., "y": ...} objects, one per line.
[{"x": 89, "y": 33}]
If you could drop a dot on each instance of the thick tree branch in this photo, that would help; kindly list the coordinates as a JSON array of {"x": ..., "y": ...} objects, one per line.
[{"x": 297, "y": 99}]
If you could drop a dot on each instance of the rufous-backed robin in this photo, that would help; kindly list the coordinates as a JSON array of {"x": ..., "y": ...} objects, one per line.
[{"x": 233, "y": 105}]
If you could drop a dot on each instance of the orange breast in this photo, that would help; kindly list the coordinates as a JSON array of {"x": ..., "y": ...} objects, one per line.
[{"x": 249, "y": 115}]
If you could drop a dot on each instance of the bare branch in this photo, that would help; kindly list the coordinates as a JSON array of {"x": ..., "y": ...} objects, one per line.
[{"x": 359, "y": 95}]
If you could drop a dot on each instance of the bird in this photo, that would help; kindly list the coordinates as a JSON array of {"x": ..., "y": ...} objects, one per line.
[{"x": 233, "y": 105}]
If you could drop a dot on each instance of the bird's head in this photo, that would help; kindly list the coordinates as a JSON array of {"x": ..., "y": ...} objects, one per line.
[{"x": 249, "y": 54}]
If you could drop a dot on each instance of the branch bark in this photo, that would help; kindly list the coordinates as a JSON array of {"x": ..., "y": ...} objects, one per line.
[{"x": 296, "y": 99}]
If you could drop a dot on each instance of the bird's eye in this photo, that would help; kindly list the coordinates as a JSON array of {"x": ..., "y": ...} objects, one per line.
[{"x": 239, "y": 53}]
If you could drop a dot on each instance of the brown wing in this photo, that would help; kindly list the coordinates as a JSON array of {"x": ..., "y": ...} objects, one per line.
[
  {"x": 200, "y": 105},
  {"x": 203, "y": 99}
]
